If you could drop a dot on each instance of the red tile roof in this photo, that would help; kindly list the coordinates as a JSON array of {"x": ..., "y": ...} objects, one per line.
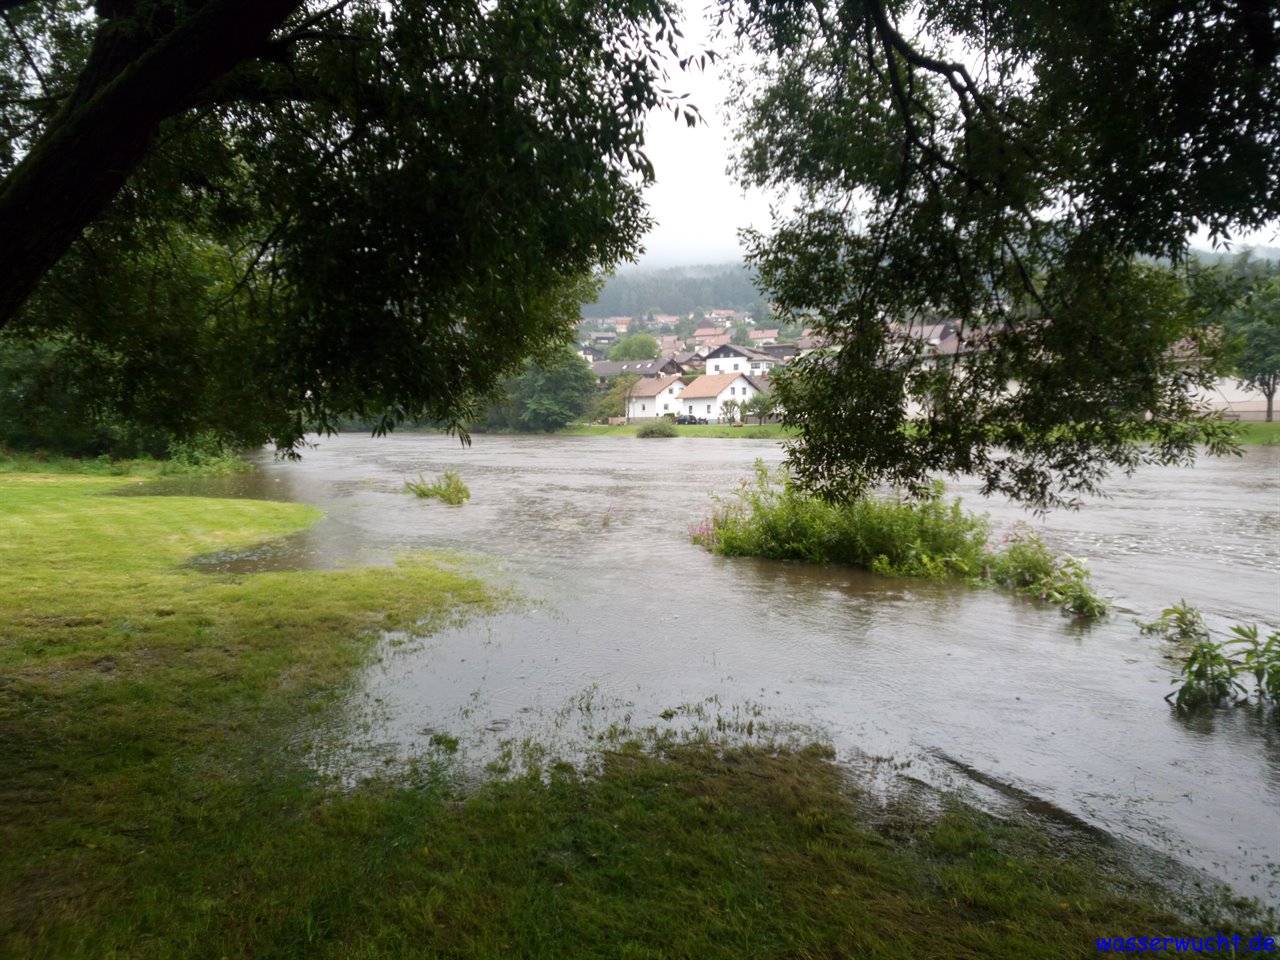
[
  {"x": 652, "y": 386},
  {"x": 710, "y": 386}
]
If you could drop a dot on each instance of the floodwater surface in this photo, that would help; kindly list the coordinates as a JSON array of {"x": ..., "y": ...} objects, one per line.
[{"x": 633, "y": 624}]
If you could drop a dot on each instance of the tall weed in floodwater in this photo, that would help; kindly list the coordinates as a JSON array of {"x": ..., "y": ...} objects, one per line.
[
  {"x": 768, "y": 516},
  {"x": 1024, "y": 562},
  {"x": 447, "y": 487},
  {"x": 1211, "y": 670}
]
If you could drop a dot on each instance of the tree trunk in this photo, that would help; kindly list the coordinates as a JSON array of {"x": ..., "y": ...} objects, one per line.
[{"x": 93, "y": 145}]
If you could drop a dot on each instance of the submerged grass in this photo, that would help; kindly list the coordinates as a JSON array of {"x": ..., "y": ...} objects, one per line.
[
  {"x": 155, "y": 724},
  {"x": 769, "y": 517},
  {"x": 447, "y": 487}
]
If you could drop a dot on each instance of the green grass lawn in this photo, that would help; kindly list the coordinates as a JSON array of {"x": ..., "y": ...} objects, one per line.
[
  {"x": 1259, "y": 433},
  {"x": 156, "y": 800}
]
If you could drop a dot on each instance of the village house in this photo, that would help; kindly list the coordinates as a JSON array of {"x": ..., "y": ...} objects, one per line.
[
  {"x": 782, "y": 352},
  {"x": 706, "y": 396},
  {"x": 670, "y": 344},
  {"x": 760, "y": 338},
  {"x": 711, "y": 343},
  {"x": 731, "y": 358},
  {"x": 691, "y": 362},
  {"x": 725, "y": 318},
  {"x": 654, "y": 398},
  {"x": 590, "y": 353},
  {"x": 606, "y": 370}
]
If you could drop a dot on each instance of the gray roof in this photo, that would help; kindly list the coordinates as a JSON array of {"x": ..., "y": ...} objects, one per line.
[{"x": 641, "y": 368}]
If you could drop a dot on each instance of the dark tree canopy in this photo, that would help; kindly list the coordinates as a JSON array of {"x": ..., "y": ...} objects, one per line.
[
  {"x": 548, "y": 395},
  {"x": 1013, "y": 169},
  {"x": 261, "y": 215}
]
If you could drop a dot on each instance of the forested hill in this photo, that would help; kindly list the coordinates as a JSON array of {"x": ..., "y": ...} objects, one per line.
[
  {"x": 638, "y": 292},
  {"x": 1226, "y": 257}
]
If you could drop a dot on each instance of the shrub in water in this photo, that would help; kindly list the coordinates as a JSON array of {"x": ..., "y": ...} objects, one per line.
[
  {"x": 769, "y": 517},
  {"x": 1210, "y": 674},
  {"x": 203, "y": 454},
  {"x": 1178, "y": 622},
  {"x": 1026, "y": 564},
  {"x": 658, "y": 428},
  {"x": 447, "y": 487}
]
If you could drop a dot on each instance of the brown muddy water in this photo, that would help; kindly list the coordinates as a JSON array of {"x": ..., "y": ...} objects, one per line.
[{"x": 633, "y": 626}]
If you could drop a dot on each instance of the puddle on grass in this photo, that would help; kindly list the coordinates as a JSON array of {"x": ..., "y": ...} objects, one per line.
[{"x": 638, "y": 629}]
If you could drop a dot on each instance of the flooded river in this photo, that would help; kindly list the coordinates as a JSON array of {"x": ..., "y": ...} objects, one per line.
[{"x": 962, "y": 687}]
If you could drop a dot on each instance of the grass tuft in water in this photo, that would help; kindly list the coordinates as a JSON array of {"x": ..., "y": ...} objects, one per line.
[{"x": 447, "y": 487}]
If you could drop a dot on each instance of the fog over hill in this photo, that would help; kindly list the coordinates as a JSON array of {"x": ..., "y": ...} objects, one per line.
[
  {"x": 1218, "y": 256},
  {"x": 639, "y": 291},
  {"x": 636, "y": 291}
]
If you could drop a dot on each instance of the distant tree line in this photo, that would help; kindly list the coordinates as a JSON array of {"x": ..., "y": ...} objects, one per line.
[{"x": 679, "y": 290}]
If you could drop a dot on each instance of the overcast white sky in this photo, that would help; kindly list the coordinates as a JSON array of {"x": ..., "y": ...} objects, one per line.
[{"x": 697, "y": 205}]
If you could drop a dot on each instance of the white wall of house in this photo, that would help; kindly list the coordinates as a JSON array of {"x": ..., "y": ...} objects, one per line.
[
  {"x": 1234, "y": 400},
  {"x": 739, "y": 390},
  {"x": 668, "y": 401},
  {"x": 737, "y": 364}
]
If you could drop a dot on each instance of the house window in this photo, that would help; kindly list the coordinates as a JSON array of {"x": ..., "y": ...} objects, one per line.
[
  {"x": 708, "y": 408},
  {"x": 642, "y": 408},
  {"x": 666, "y": 406},
  {"x": 731, "y": 389},
  {"x": 735, "y": 366}
]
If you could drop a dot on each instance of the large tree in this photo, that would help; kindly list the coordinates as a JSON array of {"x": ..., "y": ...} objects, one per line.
[
  {"x": 260, "y": 215},
  {"x": 548, "y": 395},
  {"x": 1012, "y": 169},
  {"x": 1255, "y": 326}
]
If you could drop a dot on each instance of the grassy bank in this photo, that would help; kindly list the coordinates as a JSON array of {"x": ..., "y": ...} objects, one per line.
[
  {"x": 1259, "y": 433},
  {"x": 767, "y": 431},
  {"x": 185, "y": 462},
  {"x": 156, "y": 800}
]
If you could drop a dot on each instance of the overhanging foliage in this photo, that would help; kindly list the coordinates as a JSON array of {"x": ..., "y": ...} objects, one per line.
[
  {"x": 318, "y": 209},
  {"x": 1006, "y": 168}
]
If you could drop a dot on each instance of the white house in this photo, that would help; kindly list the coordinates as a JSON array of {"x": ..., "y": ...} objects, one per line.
[
  {"x": 655, "y": 397},
  {"x": 1233, "y": 400},
  {"x": 706, "y": 396},
  {"x": 731, "y": 358}
]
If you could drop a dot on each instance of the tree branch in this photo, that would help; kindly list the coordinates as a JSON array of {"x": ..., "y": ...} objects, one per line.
[
  {"x": 26, "y": 51},
  {"x": 91, "y": 147}
]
